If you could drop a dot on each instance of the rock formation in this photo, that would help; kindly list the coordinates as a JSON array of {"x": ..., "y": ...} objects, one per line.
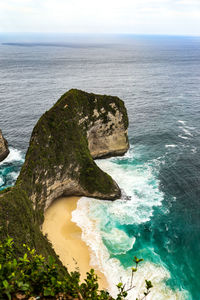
[
  {"x": 3, "y": 147},
  {"x": 59, "y": 161},
  {"x": 78, "y": 128}
]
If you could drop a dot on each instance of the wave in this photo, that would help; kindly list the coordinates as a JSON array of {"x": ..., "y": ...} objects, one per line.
[
  {"x": 10, "y": 168},
  {"x": 139, "y": 184},
  {"x": 102, "y": 222},
  {"x": 111, "y": 267},
  {"x": 194, "y": 150},
  {"x": 14, "y": 175},
  {"x": 118, "y": 241},
  {"x": 190, "y": 127},
  {"x": 1, "y": 181},
  {"x": 181, "y": 122},
  {"x": 14, "y": 155},
  {"x": 186, "y": 131},
  {"x": 183, "y": 137},
  {"x": 170, "y": 146}
]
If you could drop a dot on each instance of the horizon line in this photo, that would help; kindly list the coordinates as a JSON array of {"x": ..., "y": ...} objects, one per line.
[{"x": 102, "y": 33}]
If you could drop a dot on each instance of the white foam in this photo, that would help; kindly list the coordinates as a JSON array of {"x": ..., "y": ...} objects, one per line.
[
  {"x": 1, "y": 181},
  {"x": 183, "y": 137},
  {"x": 99, "y": 221},
  {"x": 139, "y": 184},
  {"x": 14, "y": 155},
  {"x": 186, "y": 131},
  {"x": 129, "y": 153},
  {"x": 190, "y": 128},
  {"x": 194, "y": 150},
  {"x": 118, "y": 241},
  {"x": 14, "y": 175},
  {"x": 111, "y": 268},
  {"x": 170, "y": 146},
  {"x": 182, "y": 122}
]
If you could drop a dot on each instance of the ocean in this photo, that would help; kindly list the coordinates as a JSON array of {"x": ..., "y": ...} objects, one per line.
[{"x": 158, "y": 77}]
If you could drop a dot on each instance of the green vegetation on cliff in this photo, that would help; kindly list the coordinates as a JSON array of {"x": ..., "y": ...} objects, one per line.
[
  {"x": 58, "y": 162},
  {"x": 34, "y": 276},
  {"x": 59, "y": 150}
]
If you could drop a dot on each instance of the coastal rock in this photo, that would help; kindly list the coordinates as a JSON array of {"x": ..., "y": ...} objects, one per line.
[
  {"x": 4, "y": 151},
  {"x": 107, "y": 137},
  {"x": 59, "y": 161}
]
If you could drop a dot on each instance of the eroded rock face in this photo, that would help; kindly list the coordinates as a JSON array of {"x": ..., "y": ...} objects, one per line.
[
  {"x": 107, "y": 138},
  {"x": 59, "y": 161},
  {"x": 4, "y": 151}
]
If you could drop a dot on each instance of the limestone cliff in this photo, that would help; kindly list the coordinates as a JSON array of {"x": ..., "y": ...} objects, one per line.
[
  {"x": 59, "y": 161},
  {"x": 3, "y": 147}
]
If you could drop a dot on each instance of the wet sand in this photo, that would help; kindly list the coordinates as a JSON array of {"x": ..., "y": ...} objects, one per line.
[{"x": 65, "y": 237}]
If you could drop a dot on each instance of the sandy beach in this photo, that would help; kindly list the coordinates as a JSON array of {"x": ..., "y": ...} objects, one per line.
[{"x": 65, "y": 237}]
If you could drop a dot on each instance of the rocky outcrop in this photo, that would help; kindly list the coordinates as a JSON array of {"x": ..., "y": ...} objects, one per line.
[
  {"x": 4, "y": 151},
  {"x": 59, "y": 161},
  {"x": 107, "y": 138}
]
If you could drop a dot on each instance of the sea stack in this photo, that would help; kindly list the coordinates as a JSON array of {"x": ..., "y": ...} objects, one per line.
[
  {"x": 4, "y": 151},
  {"x": 59, "y": 162}
]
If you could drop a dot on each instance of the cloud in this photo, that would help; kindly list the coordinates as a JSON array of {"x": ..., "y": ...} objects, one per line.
[{"x": 132, "y": 16}]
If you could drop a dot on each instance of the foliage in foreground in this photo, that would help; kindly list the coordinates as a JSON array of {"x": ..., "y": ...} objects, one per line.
[{"x": 32, "y": 275}]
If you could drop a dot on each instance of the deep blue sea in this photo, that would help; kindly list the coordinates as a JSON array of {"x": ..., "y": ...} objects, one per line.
[{"x": 158, "y": 77}]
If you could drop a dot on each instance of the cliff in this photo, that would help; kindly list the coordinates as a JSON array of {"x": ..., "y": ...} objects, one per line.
[
  {"x": 59, "y": 161},
  {"x": 3, "y": 147}
]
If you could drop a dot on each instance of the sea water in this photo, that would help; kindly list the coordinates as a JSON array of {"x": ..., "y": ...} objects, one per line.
[{"x": 158, "y": 217}]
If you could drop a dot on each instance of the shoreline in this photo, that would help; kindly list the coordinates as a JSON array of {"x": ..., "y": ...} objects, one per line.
[{"x": 65, "y": 237}]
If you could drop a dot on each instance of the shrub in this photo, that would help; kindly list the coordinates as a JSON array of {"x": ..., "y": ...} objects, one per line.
[{"x": 33, "y": 275}]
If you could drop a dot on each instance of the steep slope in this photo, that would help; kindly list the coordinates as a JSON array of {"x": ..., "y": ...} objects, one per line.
[{"x": 59, "y": 161}]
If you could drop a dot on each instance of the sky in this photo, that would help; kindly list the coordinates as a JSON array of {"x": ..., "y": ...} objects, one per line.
[{"x": 173, "y": 17}]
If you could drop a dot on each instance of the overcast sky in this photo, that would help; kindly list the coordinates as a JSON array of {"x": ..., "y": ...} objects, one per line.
[{"x": 102, "y": 16}]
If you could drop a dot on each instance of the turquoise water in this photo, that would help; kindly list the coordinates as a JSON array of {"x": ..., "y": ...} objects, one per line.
[
  {"x": 148, "y": 225},
  {"x": 158, "y": 218},
  {"x": 10, "y": 167}
]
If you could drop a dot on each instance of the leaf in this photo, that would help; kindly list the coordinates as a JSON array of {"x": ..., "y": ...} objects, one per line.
[
  {"x": 148, "y": 284},
  {"x": 25, "y": 287},
  {"x": 51, "y": 261},
  {"x": 120, "y": 284},
  {"x": 5, "y": 284},
  {"x": 134, "y": 269},
  {"x": 137, "y": 260},
  {"x": 14, "y": 262},
  {"x": 48, "y": 292},
  {"x": 10, "y": 242}
]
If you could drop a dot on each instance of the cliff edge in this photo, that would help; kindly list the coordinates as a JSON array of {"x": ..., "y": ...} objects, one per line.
[
  {"x": 59, "y": 162},
  {"x": 4, "y": 151}
]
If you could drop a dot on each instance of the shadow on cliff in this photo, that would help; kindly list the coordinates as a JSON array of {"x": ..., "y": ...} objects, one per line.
[{"x": 59, "y": 162}]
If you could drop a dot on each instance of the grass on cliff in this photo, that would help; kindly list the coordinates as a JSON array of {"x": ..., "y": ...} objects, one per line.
[{"x": 59, "y": 147}]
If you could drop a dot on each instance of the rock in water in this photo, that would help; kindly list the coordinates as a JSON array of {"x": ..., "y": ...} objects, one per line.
[
  {"x": 59, "y": 161},
  {"x": 4, "y": 151}
]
